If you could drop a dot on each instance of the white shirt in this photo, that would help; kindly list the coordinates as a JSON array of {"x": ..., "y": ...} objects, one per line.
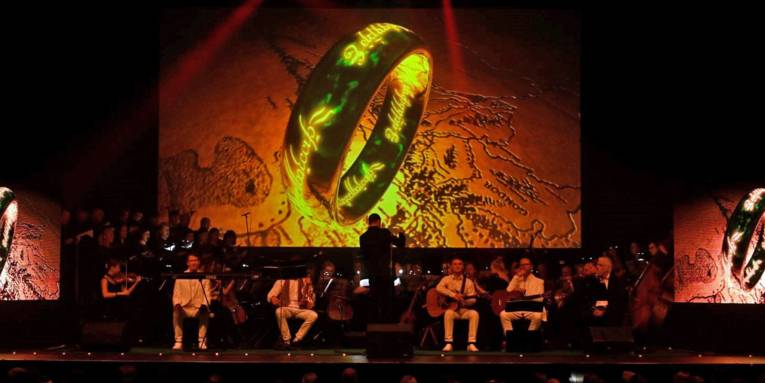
[
  {"x": 604, "y": 281},
  {"x": 276, "y": 291},
  {"x": 451, "y": 284},
  {"x": 531, "y": 285},
  {"x": 190, "y": 293}
]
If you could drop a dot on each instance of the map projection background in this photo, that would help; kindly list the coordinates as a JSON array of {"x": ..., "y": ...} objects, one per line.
[{"x": 495, "y": 162}]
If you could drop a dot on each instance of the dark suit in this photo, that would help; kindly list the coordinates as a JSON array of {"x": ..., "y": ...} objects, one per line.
[
  {"x": 576, "y": 314},
  {"x": 615, "y": 294},
  {"x": 376, "y": 250}
]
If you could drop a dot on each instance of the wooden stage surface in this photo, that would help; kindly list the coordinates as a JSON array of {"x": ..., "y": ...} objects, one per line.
[{"x": 356, "y": 356}]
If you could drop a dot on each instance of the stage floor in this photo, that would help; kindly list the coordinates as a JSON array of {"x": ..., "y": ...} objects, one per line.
[{"x": 357, "y": 356}]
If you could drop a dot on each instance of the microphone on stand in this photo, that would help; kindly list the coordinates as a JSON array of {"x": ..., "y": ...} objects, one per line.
[{"x": 247, "y": 228}]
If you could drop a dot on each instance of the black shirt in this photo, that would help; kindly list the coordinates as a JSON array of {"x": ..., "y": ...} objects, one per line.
[{"x": 376, "y": 247}]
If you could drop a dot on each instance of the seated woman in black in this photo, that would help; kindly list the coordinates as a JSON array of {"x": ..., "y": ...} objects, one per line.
[{"x": 116, "y": 287}]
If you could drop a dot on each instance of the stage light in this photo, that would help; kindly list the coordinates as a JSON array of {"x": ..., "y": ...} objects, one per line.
[
  {"x": 246, "y": 354},
  {"x": 160, "y": 354},
  {"x": 453, "y": 47},
  {"x": 195, "y": 61}
]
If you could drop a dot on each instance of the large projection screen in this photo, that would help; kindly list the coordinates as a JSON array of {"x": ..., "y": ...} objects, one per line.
[{"x": 494, "y": 163}]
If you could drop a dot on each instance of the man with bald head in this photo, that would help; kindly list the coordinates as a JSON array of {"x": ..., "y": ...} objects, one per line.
[{"x": 607, "y": 296}]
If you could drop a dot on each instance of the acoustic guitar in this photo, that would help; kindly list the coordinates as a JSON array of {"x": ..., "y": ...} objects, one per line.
[{"x": 436, "y": 303}]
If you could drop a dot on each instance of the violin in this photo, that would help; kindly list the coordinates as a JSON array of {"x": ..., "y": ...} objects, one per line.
[
  {"x": 127, "y": 278},
  {"x": 307, "y": 294}
]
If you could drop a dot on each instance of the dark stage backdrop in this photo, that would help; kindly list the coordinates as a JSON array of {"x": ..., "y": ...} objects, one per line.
[{"x": 496, "y": 158}]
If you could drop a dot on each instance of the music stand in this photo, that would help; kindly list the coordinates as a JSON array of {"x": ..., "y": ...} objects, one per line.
[{"x": 521, "y": 305}]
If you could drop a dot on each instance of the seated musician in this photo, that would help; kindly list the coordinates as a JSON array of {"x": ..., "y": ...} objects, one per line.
[
  {"x": 116, "y": 287},
  {"x": 326, "y": 277},
  {"x": 496, "y": 278},
  {"x": 564, "y": 286},
  {"x": 191, "y": 299},
  {"x": 605, "y": 302},
  {"x": 329, "y": 285},
  {"x": 225, "y": 312},
  {"x": 294, "y": 298},
  {"x": 462, "y": 290},
  {"x": 524, "y": 283}
]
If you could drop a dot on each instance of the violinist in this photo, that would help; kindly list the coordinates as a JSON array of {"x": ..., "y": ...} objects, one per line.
[{"x": 116, "y": 287}]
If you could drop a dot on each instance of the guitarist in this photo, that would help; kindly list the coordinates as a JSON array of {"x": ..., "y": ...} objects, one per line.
[
  {"x": 457, "y": 287},
  {"x": 524, "y": 283}
]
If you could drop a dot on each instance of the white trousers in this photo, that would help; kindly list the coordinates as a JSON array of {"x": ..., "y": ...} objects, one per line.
[
  {"x": 507, "y": 319},
  {"x": 190, "y": 312},
  {"x": 462, "y": 314},
  {"x": 284, "y": 313}
]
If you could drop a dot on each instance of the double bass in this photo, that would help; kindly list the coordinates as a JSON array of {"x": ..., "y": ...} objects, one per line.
[
  {"x": 338, "y": 304},
  {"x": 228, "y": 298},
  {"x": 652, "y": 295}
]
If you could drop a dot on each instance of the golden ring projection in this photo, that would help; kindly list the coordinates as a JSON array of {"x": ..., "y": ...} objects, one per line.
[{"x": 327, "y": 113}]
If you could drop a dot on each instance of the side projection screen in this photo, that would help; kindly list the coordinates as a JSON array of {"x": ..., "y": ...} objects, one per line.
[{"x": 720, "y": 246}]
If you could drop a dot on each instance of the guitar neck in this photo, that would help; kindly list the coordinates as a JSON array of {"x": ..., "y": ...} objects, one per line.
[{"x": 469, "y": 296}]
